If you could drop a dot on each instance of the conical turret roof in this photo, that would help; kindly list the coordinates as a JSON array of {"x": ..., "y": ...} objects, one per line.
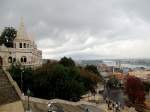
[{"x": 21, "y": 33}]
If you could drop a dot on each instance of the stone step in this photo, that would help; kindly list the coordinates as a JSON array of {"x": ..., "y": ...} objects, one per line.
[
  {"x": 7, "y": 92},
  {"x": 3, "y": 85},
  {"x": 8, "y": 95},
  {"x": 1, "y": 72},
  {"x": 4, "y": 81}
]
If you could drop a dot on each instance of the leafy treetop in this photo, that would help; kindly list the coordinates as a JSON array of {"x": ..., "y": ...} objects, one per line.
[
  {"x": 68, "y": 62},
  {"x": 7, "y": 36},
  {"x": 134, "y": 88}
]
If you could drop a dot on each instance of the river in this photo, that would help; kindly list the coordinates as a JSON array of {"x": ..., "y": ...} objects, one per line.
[{"x": 113, "y": 63}]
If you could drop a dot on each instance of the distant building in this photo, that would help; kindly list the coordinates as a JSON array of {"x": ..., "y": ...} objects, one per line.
[
  {"x": 24, "y": 50},
  {"x": 142, "y": 74},
  {"x": 119, "y": 76}
]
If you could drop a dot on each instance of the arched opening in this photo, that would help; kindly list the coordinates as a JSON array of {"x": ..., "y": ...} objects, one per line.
[
  {"x": 1, "y": 62},
  {"x": 23, "y": 59},
  {"x": 9, "y": 59},
  {"x": 24, "y": 44},
  {"x": 20, "y": 45}
]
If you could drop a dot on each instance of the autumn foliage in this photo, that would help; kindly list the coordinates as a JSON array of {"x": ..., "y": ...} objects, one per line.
[{"x": 135, "y": 90}]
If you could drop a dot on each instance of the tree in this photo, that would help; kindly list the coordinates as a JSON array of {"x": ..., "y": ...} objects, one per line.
[
  {"x": 113, "y": 90},
  {"x": 68, "y": 62},
  {"x": 89, "y": 80},
  {"x": 16, "y": 71},
  {"x": 56, "y": 80},
  {"x": 113, "y": 83},
  {"x": 7, "y": 36},
  {"x": 146, "y": 86},
  {"x": 92, "y": 68},
  {"x": 135, "y": 90}
]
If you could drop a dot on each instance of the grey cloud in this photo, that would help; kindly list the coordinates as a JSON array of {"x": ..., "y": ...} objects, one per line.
[{"x": 70, "y": 27}]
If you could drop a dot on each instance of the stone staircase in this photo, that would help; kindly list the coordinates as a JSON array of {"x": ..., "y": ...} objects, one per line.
[{"x": 7, "y": 91}]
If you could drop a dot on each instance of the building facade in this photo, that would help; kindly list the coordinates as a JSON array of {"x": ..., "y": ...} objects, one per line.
[{"x": 24, "y": 50}]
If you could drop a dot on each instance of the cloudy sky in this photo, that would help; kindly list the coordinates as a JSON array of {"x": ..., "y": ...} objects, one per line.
[{"x": 83, "y": 29}]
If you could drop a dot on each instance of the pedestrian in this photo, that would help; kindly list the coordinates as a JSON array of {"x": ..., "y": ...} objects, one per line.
[{"x": 87, "y": 110}]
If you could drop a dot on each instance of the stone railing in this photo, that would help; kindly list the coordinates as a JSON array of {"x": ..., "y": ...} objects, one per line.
[
  {"x": 43, "y": 101},
  {"x": 36, "y": 100},
  {"x": 72, "y": 103}
]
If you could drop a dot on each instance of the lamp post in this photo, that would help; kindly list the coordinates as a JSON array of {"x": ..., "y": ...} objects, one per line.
[
  {"x": 21, "y": 78},
  {"x": 28, "y": 93}
]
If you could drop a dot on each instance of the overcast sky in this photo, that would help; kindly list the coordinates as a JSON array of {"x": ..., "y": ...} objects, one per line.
[{"x": 83, "y": 29}]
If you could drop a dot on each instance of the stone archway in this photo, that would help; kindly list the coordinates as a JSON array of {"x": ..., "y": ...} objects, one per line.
[{"x": 1, "y": 62}]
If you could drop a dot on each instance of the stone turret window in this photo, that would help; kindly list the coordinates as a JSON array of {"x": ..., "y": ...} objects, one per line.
[
  {"x": 20, "y": 45},
  {"x": 24, "y": 44},
  {"x": 23, "y": 59},
  {"x": 9, "y": 59}
]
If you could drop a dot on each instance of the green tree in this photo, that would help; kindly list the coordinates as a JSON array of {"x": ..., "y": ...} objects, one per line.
[
  {"x": 92, "y": 68},
  {"x": 113, "y": 83},
  {"x": 68, "y": 62},
  {"x": 55, "y": 80},
  {"x": 146, "y": 86},
  {"x": 16, "y": 70},
  {"x": 7, "y": 36},
  {"x": 58, "y": 81},
  {"x": 89, "y": 80}
]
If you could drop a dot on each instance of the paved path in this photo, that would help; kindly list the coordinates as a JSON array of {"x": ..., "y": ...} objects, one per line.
[
  {"x": 39, "y": 107},
  {"x": 93, "y": 108}
]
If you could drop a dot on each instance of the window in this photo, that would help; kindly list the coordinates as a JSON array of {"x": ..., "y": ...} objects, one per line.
[
  {"x": 20, "y": 45},
  {"x": 9, "y": 59},
  {"x": 24, "y": 44},
  {"x": 23, "y": 59}
]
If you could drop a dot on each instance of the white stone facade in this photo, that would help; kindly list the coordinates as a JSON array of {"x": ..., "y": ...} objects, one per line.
[{"x": 24, "y": 51}]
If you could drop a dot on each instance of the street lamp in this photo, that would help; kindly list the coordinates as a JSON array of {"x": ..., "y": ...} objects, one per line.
[
  {"x": 21, "y": 78},
  {"x": 28, "y": 93},
  {"x": 86, "y": 110}
]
